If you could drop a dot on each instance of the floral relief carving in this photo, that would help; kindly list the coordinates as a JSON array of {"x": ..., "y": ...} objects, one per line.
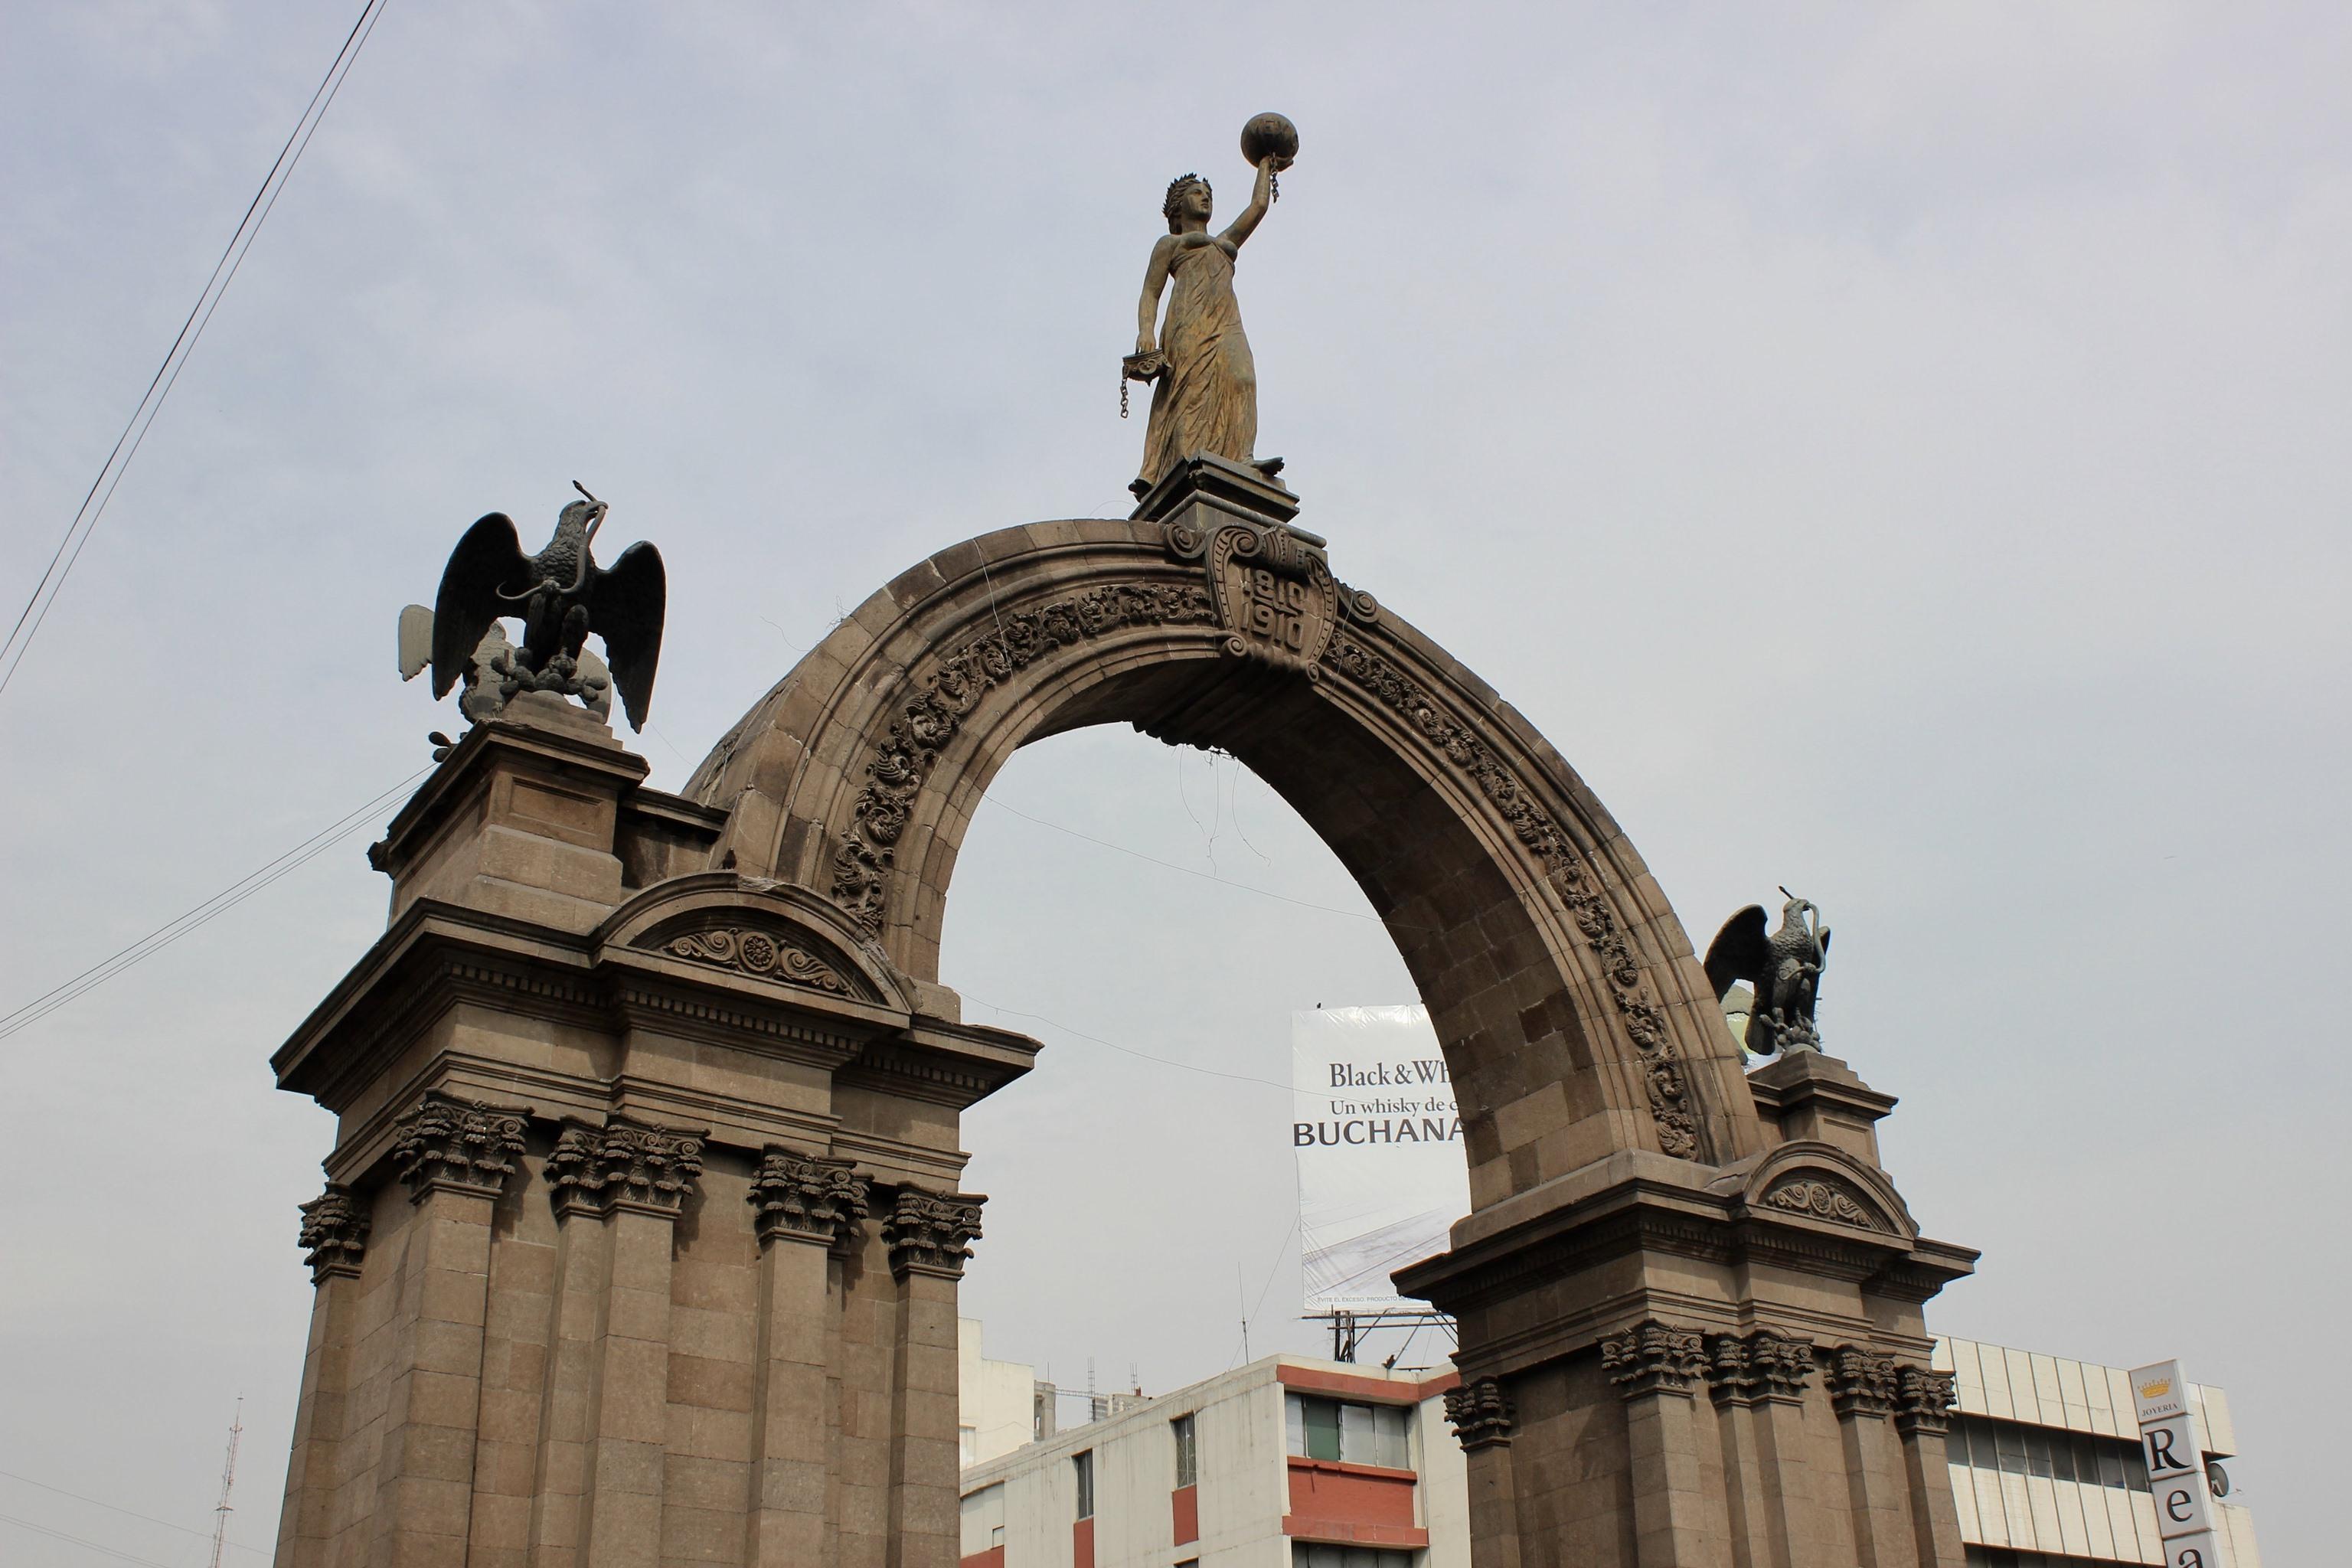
[
  {"x": 334, "y": 1233},
  {"x": 806, "y": 1199},
  {"x": 931, "y": 1233},
  {"x": 1653, "y": 1357},
  {"x": 1923, "y": 1400},
  {"x": 1481, "y": 1414},
  {"x": 1818, "y": 1198},
  {"x": 449, "y": 1144},
  {"x": 624, "y": 1165},
  {"x": 1861, "y": 1382},
  {"x": 1765, "y": 1364},
  {"x": 935, "y": 714},
  {"x": 1670, "y": 1106},
  {"x": 759, "y": 954}
]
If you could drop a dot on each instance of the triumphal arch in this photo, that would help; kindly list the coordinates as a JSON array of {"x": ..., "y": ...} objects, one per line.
[{"x": 642, "y": 1228}]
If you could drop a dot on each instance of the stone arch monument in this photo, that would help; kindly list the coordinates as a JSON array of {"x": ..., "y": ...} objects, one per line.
[{"x": 643, "y": 1229}]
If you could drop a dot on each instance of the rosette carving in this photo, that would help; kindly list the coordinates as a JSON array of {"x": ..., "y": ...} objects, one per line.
[
  {"x": 1670, "y": 1105},
  {"x": 801, "y": 1198},
  {"x": 931, "y": 1233},
  {"x": 931, "y": 718},
  {"x": 449, "y": 1144},
  {"x": 1653, "y": 1357},
  {"x": 624, "y": 1165},
  {"x": 1861, "y": 1382},
  {"x": 1923, "y": 1400},
  {"x": 759, "y": 954},
  {"x": 1481, "y": 1414},
  {"x": 334, "y": 1233}
]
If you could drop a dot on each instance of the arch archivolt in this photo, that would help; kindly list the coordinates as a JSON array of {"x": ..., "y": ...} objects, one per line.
[{"x": 1559, "y": 982}]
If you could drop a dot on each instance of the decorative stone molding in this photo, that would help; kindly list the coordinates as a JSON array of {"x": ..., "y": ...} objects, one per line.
[
  {"x": 624, "y": 1165},
  {"x": 1861, "y": 1382},
  {"x": 931, "y": 1233},
  {"x": 1818, "y": 1197},
  {"x": 1653, "y": 1357},
  {"x": 1923, "y": 1400},
  {"x": 799, "y": 1198},
  {"x": 1481, "y": 1414},
  {"x": 1671, "y": 1111},
  {"x": 931, "y": 718},
  {"x": 763, "y": 955},
  {"x": 449, "y": 1144},
  {"x": 334, "y": 1234},
  {"x": 1766, "y": 1364}
]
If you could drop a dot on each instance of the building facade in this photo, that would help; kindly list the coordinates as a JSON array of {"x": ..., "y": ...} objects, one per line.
[{"x": 1295, "y": 1463}]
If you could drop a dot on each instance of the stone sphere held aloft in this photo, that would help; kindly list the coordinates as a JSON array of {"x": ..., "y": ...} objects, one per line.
[{"x": 1269, "y": 134}]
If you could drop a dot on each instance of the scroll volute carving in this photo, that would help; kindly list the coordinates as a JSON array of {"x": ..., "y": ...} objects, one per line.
[
  {"x": 747, "y": 929},
  {"x": 1820, "y": 1183}
]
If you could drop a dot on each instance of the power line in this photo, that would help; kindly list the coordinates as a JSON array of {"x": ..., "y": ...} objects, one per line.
[
  {"x": 219, "y": 904},
  {"x": 81, "y": 1541},
  {"x": 44, "y": 596},
  {"x": 126, "y": 1513},
  {"x": 1129, "y": 1050}
]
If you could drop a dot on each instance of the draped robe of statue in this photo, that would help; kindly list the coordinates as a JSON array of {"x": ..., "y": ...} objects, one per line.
[{"x": 1206, "y": 398}]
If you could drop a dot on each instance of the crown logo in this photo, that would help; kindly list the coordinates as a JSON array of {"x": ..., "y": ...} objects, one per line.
[{"x": 2156, "y": 1389}]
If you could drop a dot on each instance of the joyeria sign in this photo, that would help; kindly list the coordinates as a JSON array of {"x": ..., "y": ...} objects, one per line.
[{"x": 2176, "y": 1466}]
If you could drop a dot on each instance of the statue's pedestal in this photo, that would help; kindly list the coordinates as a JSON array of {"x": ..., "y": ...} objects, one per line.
[
  {"x": 1670, "y": 1363},
  {"x": 641, "y": 1234}
]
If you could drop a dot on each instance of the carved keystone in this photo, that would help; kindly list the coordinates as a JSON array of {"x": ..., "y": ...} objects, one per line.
[
  {"x": 798, "y": 1198},
  {"x": 931, "y": 1233},
  {"x": 448, "y": 1144},
  {"x": 1922, "y": 1401},
  {"x": 334, "y": 1234},
  {"x": 1653, "y": 1357},
  {"x": 624, "y": 1165},
  {"x": 1481, "y": 1414},
  {"x": 1861, "y": 1382}
]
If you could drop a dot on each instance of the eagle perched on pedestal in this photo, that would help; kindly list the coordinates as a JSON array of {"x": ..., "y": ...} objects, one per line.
[
  {"x": 561, "y": 595},
  {"x": 1783, "y": 965}
]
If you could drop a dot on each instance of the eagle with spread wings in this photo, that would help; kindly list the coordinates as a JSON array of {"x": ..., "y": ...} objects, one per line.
[
  {"x": 1783, "y": 965},
  {"x": 560, "y": 594}
]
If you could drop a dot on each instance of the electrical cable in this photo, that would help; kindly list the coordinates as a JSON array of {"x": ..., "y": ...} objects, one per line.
[
  {"x": 79, "y": 1540},
  {"x": 127, "y": 1514},
  {"x": 175, "y": 358},
  {"x": 1129, "y": 1050},
  {"x": 220, "y": 903}
]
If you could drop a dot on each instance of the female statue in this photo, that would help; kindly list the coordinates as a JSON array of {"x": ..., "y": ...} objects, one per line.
[{"x": 1206, "y": 396}]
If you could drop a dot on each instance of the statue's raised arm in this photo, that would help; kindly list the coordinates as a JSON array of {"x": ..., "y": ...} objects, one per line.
[{"x": 1204, "y": 398}]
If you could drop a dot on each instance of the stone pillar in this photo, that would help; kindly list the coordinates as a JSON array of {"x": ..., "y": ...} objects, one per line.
[
  {"x": 455, "y": 1157},
  {"x": 1758, "y": 1537},
  {"x": 1481, "y": 1414},
  {"x": 634, "y": 1178},
  {"x": 334, "y": 1240},
  {"x": 930, "y": 1235},
  {"x": 1675, "y": 1524},
  {"x": 1862, "y": 1392},
  {"x": 807, "y": 1208},
  {"x": 1782, "y": 1367},
  {"x": 1922, "y": 1399}
]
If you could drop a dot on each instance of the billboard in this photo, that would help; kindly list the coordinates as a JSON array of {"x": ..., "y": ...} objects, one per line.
[{"x": 1381, "y": 1174}]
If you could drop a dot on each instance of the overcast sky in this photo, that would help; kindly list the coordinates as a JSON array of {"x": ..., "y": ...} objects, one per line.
[{"x": 1898, "y": 451}]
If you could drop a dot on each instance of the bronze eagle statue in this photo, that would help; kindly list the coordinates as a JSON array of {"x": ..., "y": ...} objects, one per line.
[
  {"x": 1783, "y": 965},
  {"x": 561, "y": 595}
]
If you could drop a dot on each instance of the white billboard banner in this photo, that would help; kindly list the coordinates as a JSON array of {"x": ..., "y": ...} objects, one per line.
[
  {"x": 1381, "y": 1174},
  {"x": 2176, "y": 1466}
]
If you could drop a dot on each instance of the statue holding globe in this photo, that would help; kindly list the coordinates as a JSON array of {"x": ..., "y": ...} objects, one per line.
[{"x": 1204, "y": 393}]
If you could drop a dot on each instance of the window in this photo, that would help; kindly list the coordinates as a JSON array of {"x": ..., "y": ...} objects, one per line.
[
  {"x": 1083, "y": 1466},
  {"x": 1351, "y": 1433},
  {"x": 1188, "y": 1457},
  {"x": 1314, "y": 1555},
  {"x": 968, "y": 1445}
]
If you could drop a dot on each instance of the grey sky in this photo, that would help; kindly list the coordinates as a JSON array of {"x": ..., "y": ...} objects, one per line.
[{"x": 1893, "y": 450}]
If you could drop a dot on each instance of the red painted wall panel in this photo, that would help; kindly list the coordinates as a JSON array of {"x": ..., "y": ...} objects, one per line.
[
  {"x": 1185, "y": 1502},
  {"x": 1082, "y": 1544},
  {"x": 992, "y": 1558}
]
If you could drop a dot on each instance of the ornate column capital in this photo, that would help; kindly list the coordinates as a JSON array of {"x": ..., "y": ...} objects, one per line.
[
  {"x": 449, "y": 1144},
  {"x": 625, "y": 1165},
  {"x": 1861, "y": 1382},
  {"x": 1765, "y": 1364},
  {"x": 1653, "y": 1357},
  {"x": 334, "y": 1234},
  {"x": 931, "y": 1233},
  {"x": 1923, "y": 1400},
  {"x": 798, "y": 1198},
  {"x": 1481, "y": 1414}
]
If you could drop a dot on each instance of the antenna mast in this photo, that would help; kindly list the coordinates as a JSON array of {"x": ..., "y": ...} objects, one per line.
[{"x": 228, "y": 1479}]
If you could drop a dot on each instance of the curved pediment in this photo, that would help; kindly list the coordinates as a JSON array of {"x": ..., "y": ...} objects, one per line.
[
  {"x": 1809, "y": 1180},
  {"x": 765, "y": 931}
]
